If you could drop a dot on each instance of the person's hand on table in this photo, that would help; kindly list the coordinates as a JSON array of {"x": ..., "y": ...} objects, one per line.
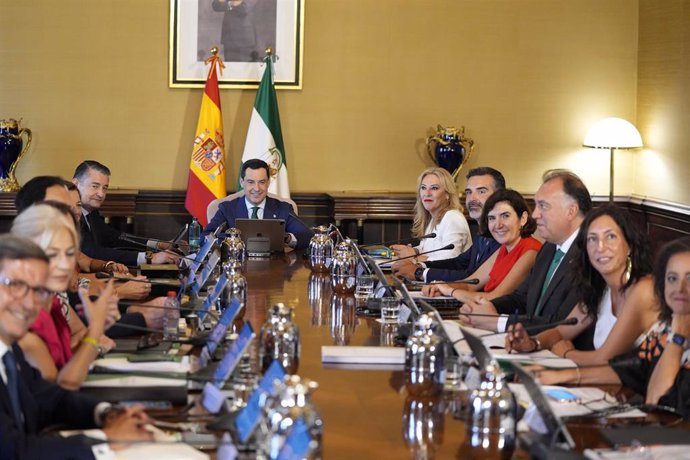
[
  {"x": 402, "y": 250},
  {"x": 126, "y": 427},
  {"x": 479, "y": 306},
  {"x": 404, "y": 269},
  {"x": 134, "y": 290},
  {"x": 517, "y": 339}
]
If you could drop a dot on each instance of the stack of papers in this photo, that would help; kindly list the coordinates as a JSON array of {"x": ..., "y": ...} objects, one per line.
[
  {"x": 590, "y": 399},
  {"x": 363, "y": 355},
  {"x": 123, "y": 365}
]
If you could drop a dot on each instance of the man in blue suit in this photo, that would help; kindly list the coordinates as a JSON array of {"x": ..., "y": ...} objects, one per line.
[
  {"x": 28, "y": 403},
  {"x": 256, "y": 204}
]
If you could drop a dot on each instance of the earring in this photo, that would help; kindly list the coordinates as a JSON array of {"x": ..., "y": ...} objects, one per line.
[{"x": 628, "y": 270}]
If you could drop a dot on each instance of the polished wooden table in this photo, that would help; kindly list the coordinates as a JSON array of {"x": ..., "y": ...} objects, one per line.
[{"x": 366, "y": 413}]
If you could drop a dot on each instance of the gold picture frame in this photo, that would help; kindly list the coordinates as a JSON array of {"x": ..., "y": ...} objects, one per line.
[{"x": 242, "y": 30}]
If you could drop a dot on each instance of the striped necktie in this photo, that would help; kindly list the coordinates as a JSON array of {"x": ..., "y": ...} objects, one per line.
[
  {"x": 557, "y": 257},
  {"x": 13, "y": 387}
]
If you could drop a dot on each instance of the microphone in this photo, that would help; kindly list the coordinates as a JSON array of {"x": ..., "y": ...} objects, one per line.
[
  {"x": 401, "y": 241},
  {"x": 444, "y": 248},
  {"x": 621, "y": 363},
  {"x": 150, "y": 242},
  {"x": 528, "y": 328},
  {"x": 431, "y": 283},
  {"x": 125, "y": 237},
  {"x": 163, "y": 307}
]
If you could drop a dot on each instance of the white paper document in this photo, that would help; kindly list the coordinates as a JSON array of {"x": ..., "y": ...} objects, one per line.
[
  {"x": 362, "y": 355},
  {"x": 495, "y": 343},
  {"x": 110, "y": 381},
  {"x": 589, "y": 399}
]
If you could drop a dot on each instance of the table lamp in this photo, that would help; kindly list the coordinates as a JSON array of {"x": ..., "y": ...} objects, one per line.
[{"x": 613, "y": 133}]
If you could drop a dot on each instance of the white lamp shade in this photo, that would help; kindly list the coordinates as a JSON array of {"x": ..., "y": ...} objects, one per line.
[{"x": 613, "y": 133}]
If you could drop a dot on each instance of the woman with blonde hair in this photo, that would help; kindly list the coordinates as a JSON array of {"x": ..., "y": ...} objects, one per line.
[
  {"x": 58, "y": 344},
  {"x": 437, "y": 210}
]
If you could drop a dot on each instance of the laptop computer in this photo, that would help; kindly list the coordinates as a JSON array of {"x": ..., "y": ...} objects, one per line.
[{"x": 256, "y": 229}]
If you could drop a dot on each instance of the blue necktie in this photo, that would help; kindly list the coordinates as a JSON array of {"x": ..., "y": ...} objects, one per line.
[{"x": 13, "y": 387}]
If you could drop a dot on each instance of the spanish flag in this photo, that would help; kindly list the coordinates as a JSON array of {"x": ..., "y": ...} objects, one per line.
[{"x": 207, "y": 169}]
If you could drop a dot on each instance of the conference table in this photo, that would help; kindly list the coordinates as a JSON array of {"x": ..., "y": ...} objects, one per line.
[{"x": 366, "y": 412}]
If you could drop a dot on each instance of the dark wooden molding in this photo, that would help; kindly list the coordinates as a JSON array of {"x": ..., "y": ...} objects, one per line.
[{"x": 369, "y": 217}]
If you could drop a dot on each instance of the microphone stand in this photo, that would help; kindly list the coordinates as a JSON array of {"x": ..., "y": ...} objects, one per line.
[{"x": 401, "y": 241}]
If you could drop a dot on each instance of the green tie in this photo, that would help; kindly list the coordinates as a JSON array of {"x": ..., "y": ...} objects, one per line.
[
  {"x": 255, "y": 212},
  {"x": 549, "y": 274}
]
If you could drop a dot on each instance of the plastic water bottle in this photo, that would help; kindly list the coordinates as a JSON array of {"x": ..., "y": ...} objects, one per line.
[
  {"x": 171, "y": 318},
  {"x": 194, "y": 235}
]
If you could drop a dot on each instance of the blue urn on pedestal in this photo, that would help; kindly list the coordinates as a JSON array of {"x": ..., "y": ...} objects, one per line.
[
  {"x": 449, "y": 149},
  {"x": 11, "y": 152}
]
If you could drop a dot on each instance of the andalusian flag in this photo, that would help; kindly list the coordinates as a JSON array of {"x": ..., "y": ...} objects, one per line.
[
  {"x": 264, "y": 137},
  {"x": 207, "y": 169}
]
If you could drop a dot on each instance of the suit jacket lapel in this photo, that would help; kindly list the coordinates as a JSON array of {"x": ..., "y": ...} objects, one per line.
[
  {"x": 241, "y": 209},
  {"x": 271, "y": 209}
]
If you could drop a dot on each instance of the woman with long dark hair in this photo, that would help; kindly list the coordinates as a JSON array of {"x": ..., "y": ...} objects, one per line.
[
  {"x": 613, "y": 276},
  {"x": 662, "y": 370}
]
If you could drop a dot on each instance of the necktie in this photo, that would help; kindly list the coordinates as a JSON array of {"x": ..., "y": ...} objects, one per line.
[
  {"x": 255, "y": 212},
  {"x": 557, "y": 257},
  {"x": 13, "y": 386}
]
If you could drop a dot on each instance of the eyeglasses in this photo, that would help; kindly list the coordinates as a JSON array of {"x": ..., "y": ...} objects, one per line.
[{"x": 20, "y": 289}]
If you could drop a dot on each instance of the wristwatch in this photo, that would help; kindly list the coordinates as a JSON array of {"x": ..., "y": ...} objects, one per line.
[
  {"x": 679, "y": 340},
  {"x": 419, "y": 273},
  {"x": 148, "y": 256}
]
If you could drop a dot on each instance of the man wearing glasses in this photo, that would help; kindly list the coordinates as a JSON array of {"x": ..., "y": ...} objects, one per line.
[{"x": 28, "y": 403}]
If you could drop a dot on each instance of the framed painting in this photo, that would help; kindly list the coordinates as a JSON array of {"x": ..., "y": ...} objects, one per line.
[{"x": 241, "y": 30}]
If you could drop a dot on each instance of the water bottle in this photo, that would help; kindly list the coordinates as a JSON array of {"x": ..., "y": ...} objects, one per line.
[
  {"x": 492, "y": 420},
  {"x": 292, "y": 401},
  {"x": 279, "y": 340},
  {"x": 194, "y": 235},
  {"x": 171, "y": 316},
  {"x": 425, "y": 358}
]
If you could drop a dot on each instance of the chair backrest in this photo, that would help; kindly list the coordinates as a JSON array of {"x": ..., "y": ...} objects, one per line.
[{"x": 212, "y": 208}]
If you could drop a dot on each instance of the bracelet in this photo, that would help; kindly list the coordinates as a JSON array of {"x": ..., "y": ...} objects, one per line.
[
  {"x": 537, "y": 344},
  {"x": 579, "y": 376},
  {"x": 91, "y": 341},
  {"x": 565, "y": 354},
  {"x": 108, "y": 264}
]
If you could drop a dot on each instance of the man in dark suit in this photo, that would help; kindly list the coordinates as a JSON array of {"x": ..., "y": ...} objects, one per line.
[
  {"x": 482, "y": 182},
  {"x": 256, "y": 204},
  {"x": 547, "y": 294},
  {"x": 28, "y": 403},
  {"x": 98, "y": 239}
]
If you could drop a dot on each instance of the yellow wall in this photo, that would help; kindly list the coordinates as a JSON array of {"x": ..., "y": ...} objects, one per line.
[
  {"x": 526, "y": 78},
  {"x": 663, "y": 168}
]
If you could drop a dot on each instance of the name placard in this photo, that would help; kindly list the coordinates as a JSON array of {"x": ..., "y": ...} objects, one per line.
[
  {"x": 248, "y": 418},
  {"x": 298, "y": 442},
  {"x": 233, "y": 355},
  {"x": 206, "y": 271},
  {"x": 212, "y": 296}
]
